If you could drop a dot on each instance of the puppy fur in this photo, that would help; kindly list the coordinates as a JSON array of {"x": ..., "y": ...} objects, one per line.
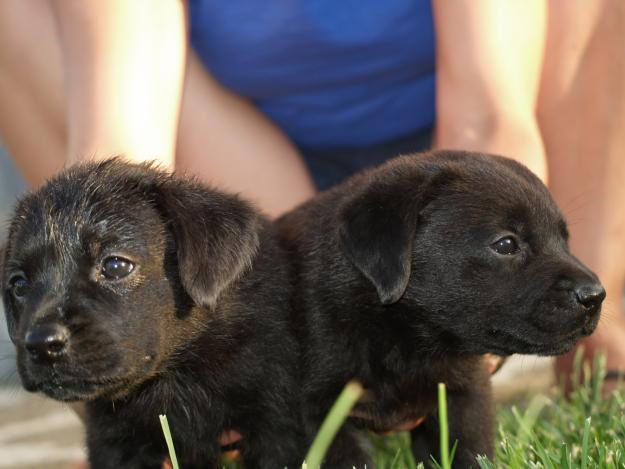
[
  {"x": 400, "y": 287},
  {"x": 199, "y": 330}
]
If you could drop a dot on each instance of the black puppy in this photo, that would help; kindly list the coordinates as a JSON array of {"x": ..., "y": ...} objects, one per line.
[
  {"x": 144, "y": 294},
  {"x": 411, "y": 271}
]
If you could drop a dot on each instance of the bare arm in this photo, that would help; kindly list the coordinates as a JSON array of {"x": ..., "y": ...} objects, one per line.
[
  {"x": 489, "y": 57},
  {"x": 124, "y": 65},
  {"x": 225, "y": 140},
  {"x": 125, "y": 73}
]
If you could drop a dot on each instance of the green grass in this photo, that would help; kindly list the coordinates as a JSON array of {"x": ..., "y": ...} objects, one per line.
[
  {"x": 331, "y": 425},
  {"x": 169, "y": 440},
  {"x": 444, "y": 431},
  {"x": 585, "y": 431}
]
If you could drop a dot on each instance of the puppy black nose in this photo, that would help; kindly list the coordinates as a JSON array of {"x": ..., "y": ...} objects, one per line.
[
  {"x": 590, "y": 295},
  {"x": 46, "y": 342}
]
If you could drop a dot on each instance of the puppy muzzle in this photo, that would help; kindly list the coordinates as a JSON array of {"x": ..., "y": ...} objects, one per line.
[{"x": 46, "y": 342}]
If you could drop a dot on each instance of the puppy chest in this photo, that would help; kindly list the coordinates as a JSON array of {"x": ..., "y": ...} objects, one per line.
[{"x": 386, "y": 411}]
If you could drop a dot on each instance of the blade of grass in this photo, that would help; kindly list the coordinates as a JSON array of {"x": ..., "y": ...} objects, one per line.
[
  {"x": 564, "y": 453},
  {"x": 585, "y": 439},
  {"x": 543, "y": 455},
  {"x": 528, "y": 420},
  {"x": 453, "y": 451},
  {"x": 444, "y": 428},
  {"x": 484, "y": 463},
  {"x": 394, "y": 463},
  {"x": 333, "y": 421},
  {"x": 169, "y": 440},
  {"x": 575, "y": 376},
  {"x": 599, "y": 368}
]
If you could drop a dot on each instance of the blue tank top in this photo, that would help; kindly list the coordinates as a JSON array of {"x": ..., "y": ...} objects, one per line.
[{"x": 330, "y": 73}]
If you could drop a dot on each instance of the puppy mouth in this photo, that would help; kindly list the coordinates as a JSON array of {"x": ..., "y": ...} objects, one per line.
[
  {"x": 77, "y": 376},
  {"x": 70, "y": 389},
  {"x": 64, "y": 382},
  {"x": 507, "y": 343}
]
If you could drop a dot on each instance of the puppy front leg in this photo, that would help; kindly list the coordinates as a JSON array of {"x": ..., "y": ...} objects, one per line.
[
  {"x": 278, "y": 442},
  {"x": 471, "y": 422},
  {"x": 112, "y": 456},
  {"x": 425, "y": 441},
  {"x": 112, "y": 451}
]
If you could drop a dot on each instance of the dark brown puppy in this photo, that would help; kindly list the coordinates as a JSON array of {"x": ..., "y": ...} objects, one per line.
[
  {"x": 145, "y": 294},
  {"x": 411, "y": 271}
]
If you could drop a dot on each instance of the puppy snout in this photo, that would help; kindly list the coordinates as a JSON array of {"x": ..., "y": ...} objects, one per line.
[
  {"x": 590, "y": 295},
  {"x": 46, "y": 342}
]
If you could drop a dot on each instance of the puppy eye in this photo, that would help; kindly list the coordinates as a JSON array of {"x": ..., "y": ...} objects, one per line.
[
  {"x": 114, "y": 268},
  {"x": 19, "y": 286},
  {"x": 505, "y": 246}
]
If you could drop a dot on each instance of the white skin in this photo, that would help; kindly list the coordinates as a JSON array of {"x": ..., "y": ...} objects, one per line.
[{"x": 523, "y": 78}]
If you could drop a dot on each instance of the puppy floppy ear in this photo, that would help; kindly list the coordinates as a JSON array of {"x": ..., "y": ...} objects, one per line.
[
  {"x": 216, "y": 237},
  {"x": 377, "y": 228}
]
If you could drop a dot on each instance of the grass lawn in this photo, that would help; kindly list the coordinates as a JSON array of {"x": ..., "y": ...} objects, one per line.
[
  {"x": 585, "y": 431},
  {"x": 549, "y": 431}
]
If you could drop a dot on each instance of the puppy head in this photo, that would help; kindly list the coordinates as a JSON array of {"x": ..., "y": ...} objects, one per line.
[
  {"x": 477, "y": 246},
  {"x": 109, "y": 267}
]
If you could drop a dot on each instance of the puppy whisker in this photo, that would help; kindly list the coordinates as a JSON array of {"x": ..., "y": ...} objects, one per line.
[
  {"x": 10, "y": 378},
  {"x": 576, "y": 203}
]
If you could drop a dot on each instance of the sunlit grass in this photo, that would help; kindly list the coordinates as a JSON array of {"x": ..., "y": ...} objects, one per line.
[
  {"x": 169, "y": 440},
  {"x": 331, "y": 425}
]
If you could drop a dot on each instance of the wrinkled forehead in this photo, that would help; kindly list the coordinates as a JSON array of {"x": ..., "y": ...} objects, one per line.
[
  {"x": 502, "y": 202},
  {"x": 61, "y": 227}
]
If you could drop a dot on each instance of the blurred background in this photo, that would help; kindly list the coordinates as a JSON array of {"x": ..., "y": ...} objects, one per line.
[{"x": 579, "y": 114}]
